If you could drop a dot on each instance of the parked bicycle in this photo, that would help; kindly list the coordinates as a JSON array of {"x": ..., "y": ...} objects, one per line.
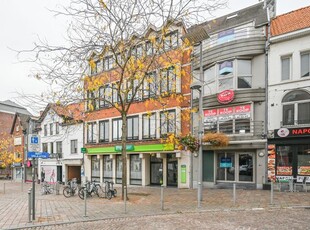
[
  {"x": 109, "y": 190},
  {"x": 46, "y": 188},
  {"x": 92, "y": 188},
  {"x": 71, "y": 188}
]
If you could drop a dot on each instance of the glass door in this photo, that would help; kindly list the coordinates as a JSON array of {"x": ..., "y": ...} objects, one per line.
[
  {"x": 156, "y": 170},
  {"x": 245, "y": 166},
  {"x": 172, "y": 170},
  {"x": 225, "y": 166}
]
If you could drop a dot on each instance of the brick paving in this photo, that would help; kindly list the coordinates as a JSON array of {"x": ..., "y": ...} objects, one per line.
[{"x": 56, "y": 209}]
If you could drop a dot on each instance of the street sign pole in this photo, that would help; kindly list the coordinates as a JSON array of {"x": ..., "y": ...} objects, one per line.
[{"x": 33, "y": 188}]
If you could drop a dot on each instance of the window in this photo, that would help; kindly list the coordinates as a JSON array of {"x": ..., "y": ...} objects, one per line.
[
  {"x": 104, "y": 131},
  {"x": 226, "y": 36},
  {"x": 167, "y": 122},
  {"x": 139, "y": 51},
  {"x": 108, "y": 63},
  {"x": 51, "y": 129},
  {"x": 285, "y": 68},
  {"x": 231, "y": 74},
  {"x": 305, "y": 64},
  {"x": 45, "y": 130},
  {"x": 44, "y": 147},
  {"x": 104, "y": 96},
  {"x": 171, "y": 40},
  {"x": 91, "y": 100},
  {"x": 107, "y": 168},
  {"x": 57, "y": 128},
  {"x": 95, "y": 168},
  {"x": 51, "y": 147},
  {"x": 115, "y": 92},
  {"x": 296, "y": 108},
  {"x": 117, "y": 129},
  {"x": 149, "y": 126},
  {"x": 168, "y": 80},
  {"x": 119, "y": 169},
  {"x": 92, "y": 132},
  {"x": 133, "y": 128},
  {"x": 135, "y": 169},
  {"x": 59, "y": 149},
  {"x": 133, "y": 88},
  {"x": 73, "y": 146},
  {"x": 149, "y": 85},
  {"x": 149, "y": 48}
]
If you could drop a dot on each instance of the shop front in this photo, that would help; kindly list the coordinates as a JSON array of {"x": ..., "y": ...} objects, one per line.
[
  {"x": 155, "y": 164},
  {"x": 289, "y": 154}
]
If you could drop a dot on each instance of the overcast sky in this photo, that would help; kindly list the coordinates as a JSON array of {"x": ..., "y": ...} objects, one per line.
[{"x": 22, "y": 22}]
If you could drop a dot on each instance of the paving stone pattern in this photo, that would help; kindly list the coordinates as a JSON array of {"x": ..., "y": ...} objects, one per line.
[{"x": 144, "y": 205}]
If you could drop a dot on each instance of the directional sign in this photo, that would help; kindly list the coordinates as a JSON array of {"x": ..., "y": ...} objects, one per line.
[
  {"x": 38, "y": 155},
  {"x": 34, "y": 143}
]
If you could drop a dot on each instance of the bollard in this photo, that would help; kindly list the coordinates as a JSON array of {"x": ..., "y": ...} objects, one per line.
[
  {"x": 3, "y": 188},
  {"x": 125, "y": 198},
  {"x": 234, "y": 193},
  {"x": 162, "y": 197},
  {"x": 57, "y": 188},
  {"x": 199, "y": 194},
  {"x": 85, "y": 207},
  {"x": 29, "y": 205},
  {"x": 271, "y": 193}
]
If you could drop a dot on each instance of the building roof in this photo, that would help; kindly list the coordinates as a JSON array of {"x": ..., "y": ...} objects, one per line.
[
  {"x": 256, "y": 13},
  {"x": 23, "y": 120},
  {"x": 12, "y": 107},
  {"x": 290, "y": 22}
]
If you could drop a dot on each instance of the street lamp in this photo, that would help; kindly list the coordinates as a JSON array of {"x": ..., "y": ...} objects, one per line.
[{"x": 198, "y": 86}]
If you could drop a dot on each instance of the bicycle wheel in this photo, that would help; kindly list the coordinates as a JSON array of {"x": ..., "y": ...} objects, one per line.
[
  {"x": 115, "y": 192},
  {"x": 43, "y": 190},
  {"x": 50, "y": 190},
  {"x": 97, "y": 188},
  {"x": 67, "y": 192},
  {"x": 81, "y": 193},
  {"x": 109, "y": 194}
]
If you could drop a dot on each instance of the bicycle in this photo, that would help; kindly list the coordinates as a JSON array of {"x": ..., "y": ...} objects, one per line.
[
  {"x": 91, "y": 188},
  {"x": 70, "y": 188},
  {"x": 109, "y": 190},
  {"x": 46, "y": 188}
]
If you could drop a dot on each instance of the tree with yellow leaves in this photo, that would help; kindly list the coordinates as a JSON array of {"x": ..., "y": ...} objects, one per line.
[
  {"x": 122, "y": 52},
  {"x": 6, "y": 151}
]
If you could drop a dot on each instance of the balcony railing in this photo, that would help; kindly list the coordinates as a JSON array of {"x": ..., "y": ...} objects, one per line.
[
  {"x": 295, "y": 123},
  {"x": 236, "y": 127}
]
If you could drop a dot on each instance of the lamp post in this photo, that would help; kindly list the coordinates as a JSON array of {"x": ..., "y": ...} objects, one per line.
[{"x": 198, "y": 86}]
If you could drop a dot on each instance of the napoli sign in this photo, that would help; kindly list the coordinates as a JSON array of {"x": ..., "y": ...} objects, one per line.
[{"x": 226, "y": 96}]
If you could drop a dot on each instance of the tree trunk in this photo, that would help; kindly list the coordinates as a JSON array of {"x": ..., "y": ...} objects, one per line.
[{"x": 124, "y": 155}]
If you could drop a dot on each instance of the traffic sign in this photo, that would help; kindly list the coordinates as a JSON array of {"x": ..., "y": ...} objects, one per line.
[
  {"x": 34, "y": 143},
  {"x": 38, "y": 155}
]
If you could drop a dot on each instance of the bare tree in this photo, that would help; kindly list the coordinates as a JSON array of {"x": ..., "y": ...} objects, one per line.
[{"x": 118, "y": 30}]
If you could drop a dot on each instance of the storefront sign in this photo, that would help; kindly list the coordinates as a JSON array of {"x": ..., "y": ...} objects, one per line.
[
  {"x": 225, "y": 162},
  {"x": 183, "y": 174},
  {"x": 118, "y": 148},
  {"x": 226, "y": 96},
  {"x": 292, "y": 132}
]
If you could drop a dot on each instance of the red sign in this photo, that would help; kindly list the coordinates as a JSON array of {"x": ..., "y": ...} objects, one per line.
[
  {"x": 225, "y": 111},
  {"x": 226, "y": 96},
  {"x": 243, "y": 109},
  {"x": 292, "y": 132},
  {"x": 210, "y": 112}
]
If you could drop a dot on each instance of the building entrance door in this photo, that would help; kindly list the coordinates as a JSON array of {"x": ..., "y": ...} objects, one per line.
[
  {"x": 156, "y": 170},
  {"x": 172, "y": 170}
]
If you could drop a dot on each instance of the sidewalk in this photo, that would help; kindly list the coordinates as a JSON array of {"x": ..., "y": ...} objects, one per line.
[{"x": 51, "y": 209}]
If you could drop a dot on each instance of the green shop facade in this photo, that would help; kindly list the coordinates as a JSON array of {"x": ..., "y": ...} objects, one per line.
[{"x": 152, "y": 164}]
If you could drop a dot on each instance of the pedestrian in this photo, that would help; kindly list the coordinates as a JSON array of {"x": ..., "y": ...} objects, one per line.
[
  {"x": 52, "y": 178},
  {"x": 42, "y": 174}
]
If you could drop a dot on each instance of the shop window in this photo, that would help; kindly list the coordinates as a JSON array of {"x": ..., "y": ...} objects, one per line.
[
  {"x": 133, "y": 128},
  {"x": 167, "y": 122},
  {"x": 303, "y": 165},
  {"x": 117, "y": 129},
  {"x": 135, "y": 170},
  {"x": 73, "y": 146},
  {"x": 286, "y": 68},
  {"x": 149, "y": 126},
  {"x": 284, "y": 160},
  {"x": 95, "y": 168},
  {"x": 107, "y": 168},
  {"x": 305, "y": 64},
  {"x": 119, "y": 169},
  {"x": 296, "y": 108},
  {"x": 92, "y": 132}
]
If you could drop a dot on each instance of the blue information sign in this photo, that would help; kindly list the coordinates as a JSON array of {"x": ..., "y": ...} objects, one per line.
[
  {"x": 34, "y": 140},
  {"x": 38, "y": 155},
  {"x": 225, "y": 162}
]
